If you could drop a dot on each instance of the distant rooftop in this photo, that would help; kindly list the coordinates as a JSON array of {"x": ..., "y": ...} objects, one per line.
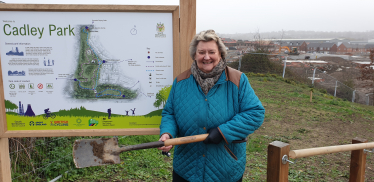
[
  {"x": 305, "y": 39},
  {"x": 307, "y": 61},
  {"x": 324, "y": 44},
  {"x": 360, "y": 46},
  {"x": 362, "y": 62}
]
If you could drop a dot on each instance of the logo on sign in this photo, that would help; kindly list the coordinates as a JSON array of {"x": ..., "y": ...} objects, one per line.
[
  {"x": 32, "y": 123},
  {"x": 160, "y": 28},
  {"x": 40, "y": 123},
  {"x": 93, "y": 122},
  {"x": 59, "y": 123},
  {"x": 78, "y": 122},
  {"x": 18, "y": 124},
  {"x": 16, "y": 73},
  {"x": 40, "y": 86},
  {"x": 49, "y": 85},
  {"x": 21, "y": 86}
]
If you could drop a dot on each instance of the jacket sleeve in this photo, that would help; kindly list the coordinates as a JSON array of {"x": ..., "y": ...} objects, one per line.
[
  {"x": 249, "y": 118},
  {"x": 168, "y": 123}
]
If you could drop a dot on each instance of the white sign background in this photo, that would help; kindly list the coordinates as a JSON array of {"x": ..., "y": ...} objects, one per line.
[{"x": 116, "y": 36}]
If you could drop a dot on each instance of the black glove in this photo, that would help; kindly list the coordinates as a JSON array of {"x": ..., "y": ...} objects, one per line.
[
  {"x": 166, "y": 153},
  {"x": 214, "y": 136}
]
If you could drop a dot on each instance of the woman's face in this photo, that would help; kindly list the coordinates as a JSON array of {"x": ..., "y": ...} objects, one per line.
[{"x": 207, "y": 55}]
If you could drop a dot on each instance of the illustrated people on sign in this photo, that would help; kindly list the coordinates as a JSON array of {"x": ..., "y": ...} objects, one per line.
[
  {"x": 109, "y": 112},
  {"x": 45, "y": 62},
  {"x": 49, "y": 63},
  {"x": 53, "y": 62},
  {"x": 133, "y": 111},
  {"x": 127, "y": 113},
  {"x": 47, "y": 112},
  {"x": 220, "y": 102}
]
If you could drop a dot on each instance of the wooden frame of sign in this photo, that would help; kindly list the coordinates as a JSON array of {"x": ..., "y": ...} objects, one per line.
[{"x": 184, "y": 29}]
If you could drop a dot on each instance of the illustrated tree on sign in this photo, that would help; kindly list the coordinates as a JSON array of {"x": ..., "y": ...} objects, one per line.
[
  {"x": 158, "y": 101},
  {"x": 162, "y": 96},
  {"x": 10, "y": 105}
]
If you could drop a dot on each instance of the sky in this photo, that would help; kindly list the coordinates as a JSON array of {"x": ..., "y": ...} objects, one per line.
[{"x": 249, "y": 16}]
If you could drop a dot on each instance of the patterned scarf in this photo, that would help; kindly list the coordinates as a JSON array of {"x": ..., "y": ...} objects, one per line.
[{"x": 207, "y": 80}]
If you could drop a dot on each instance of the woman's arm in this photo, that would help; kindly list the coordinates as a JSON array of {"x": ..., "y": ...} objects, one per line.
[{"x": 250, "y": 117}]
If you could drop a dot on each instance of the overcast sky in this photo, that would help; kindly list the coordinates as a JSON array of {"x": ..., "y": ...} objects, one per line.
[{"x": 248, "y": 16}]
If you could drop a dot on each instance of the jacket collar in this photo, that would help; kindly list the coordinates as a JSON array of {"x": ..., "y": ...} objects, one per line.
[{"x": 223, "y": 78}]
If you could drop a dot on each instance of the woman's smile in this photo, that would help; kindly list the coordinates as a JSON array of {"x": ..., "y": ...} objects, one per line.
[{"x": 207, "y": 56}]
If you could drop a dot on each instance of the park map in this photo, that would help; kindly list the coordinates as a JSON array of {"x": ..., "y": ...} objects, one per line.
[{"x": 87, "y": 74}]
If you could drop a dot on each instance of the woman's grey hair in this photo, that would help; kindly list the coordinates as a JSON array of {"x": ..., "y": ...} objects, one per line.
[{"x": 207, "y": 36}]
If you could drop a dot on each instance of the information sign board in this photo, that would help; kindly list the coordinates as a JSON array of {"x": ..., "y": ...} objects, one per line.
[{"x": 86, "y": 70}]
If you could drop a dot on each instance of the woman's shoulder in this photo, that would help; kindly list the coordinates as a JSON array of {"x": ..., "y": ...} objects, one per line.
[
  {"x": 186, "y": 74},
  {"x": 233, "y": 75}
]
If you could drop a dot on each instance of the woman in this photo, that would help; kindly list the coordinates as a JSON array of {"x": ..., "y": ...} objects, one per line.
[{"x": 210, "y": 98}]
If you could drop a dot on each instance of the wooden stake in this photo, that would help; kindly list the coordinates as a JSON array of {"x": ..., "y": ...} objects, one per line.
[
  {"x": 276, "y": 170},
  {"x": 5, "y": 174},
  {"x": 187, "y": 31},
  {"x": 311, "y": 96},
  {"x": 358, "y": 162}
]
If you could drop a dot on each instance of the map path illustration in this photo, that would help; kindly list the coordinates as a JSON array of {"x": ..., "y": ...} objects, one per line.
[{"x": 87, "y": 75}]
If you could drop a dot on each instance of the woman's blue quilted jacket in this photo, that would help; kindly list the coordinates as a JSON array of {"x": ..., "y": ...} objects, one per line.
[{"x": 231, "y": 105}]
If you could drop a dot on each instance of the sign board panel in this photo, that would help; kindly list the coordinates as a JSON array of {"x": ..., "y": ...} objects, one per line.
[{"x": 85, "y": 70}]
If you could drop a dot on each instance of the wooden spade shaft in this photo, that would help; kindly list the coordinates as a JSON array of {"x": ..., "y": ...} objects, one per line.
[
  {"x": 174, "y": 141},
  {"x": 97, "y": 152},
  {"x": 294, "y": 154}
]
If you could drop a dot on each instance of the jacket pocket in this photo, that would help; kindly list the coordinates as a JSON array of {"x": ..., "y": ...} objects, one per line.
[
  {"x": 230, "y": 152},
  {"x": 240, "y": 141}
]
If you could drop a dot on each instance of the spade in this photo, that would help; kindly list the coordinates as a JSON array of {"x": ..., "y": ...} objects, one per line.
[{"x": 104, "y": 151}]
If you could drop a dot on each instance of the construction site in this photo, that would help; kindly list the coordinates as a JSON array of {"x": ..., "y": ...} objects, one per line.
[{"x": 329, "y": 71}]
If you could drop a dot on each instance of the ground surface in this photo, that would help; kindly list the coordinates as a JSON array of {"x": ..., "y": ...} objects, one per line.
[{"x": 290, "y": 118}]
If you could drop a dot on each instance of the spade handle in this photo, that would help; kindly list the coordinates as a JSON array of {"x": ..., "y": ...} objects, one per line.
[
  {"x": 174, "y": 141},
  {"x": 185, "y": 140}
]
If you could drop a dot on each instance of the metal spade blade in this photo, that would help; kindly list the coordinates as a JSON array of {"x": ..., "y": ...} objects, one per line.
[{"x": 95, "y": 152}]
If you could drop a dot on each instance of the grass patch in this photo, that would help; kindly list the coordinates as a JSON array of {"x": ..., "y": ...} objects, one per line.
[{"x": 289, "y": 118}]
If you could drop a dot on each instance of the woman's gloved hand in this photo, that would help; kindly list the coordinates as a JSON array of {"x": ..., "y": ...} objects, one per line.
[{"x": 214, "y": 136}]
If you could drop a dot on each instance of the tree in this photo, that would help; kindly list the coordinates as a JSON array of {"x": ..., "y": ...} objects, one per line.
[
  {"x": 162, "y": 96},
  {"x": 367, "y": 70},
  {"x": 158, "y": 101},
  {"x": 10, "y": 105},
  {"x": 165, "y": 93},
  {"x": 261, "y": 45}
]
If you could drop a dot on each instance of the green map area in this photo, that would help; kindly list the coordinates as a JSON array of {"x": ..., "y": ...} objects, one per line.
[{"x": 87, "y": 74}]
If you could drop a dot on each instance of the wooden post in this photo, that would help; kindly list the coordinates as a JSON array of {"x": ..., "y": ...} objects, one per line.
[
  {"x": 276, "y": 170},
  {"x": 311, "y": 96},
  {"x": 358, "y": 163},
  {"x": 187, "y": 31},
  {"x": 3, "y": 123},
  {"x": 5, "y": 175}
]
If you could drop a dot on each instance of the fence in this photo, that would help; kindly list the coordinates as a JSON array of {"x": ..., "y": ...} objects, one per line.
[
  {"x": 320, "y": 79},
  {"x": 279, "y": 153},
  {"x": 323, "y": 81},
  {"x": 41, "y": 159}
]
